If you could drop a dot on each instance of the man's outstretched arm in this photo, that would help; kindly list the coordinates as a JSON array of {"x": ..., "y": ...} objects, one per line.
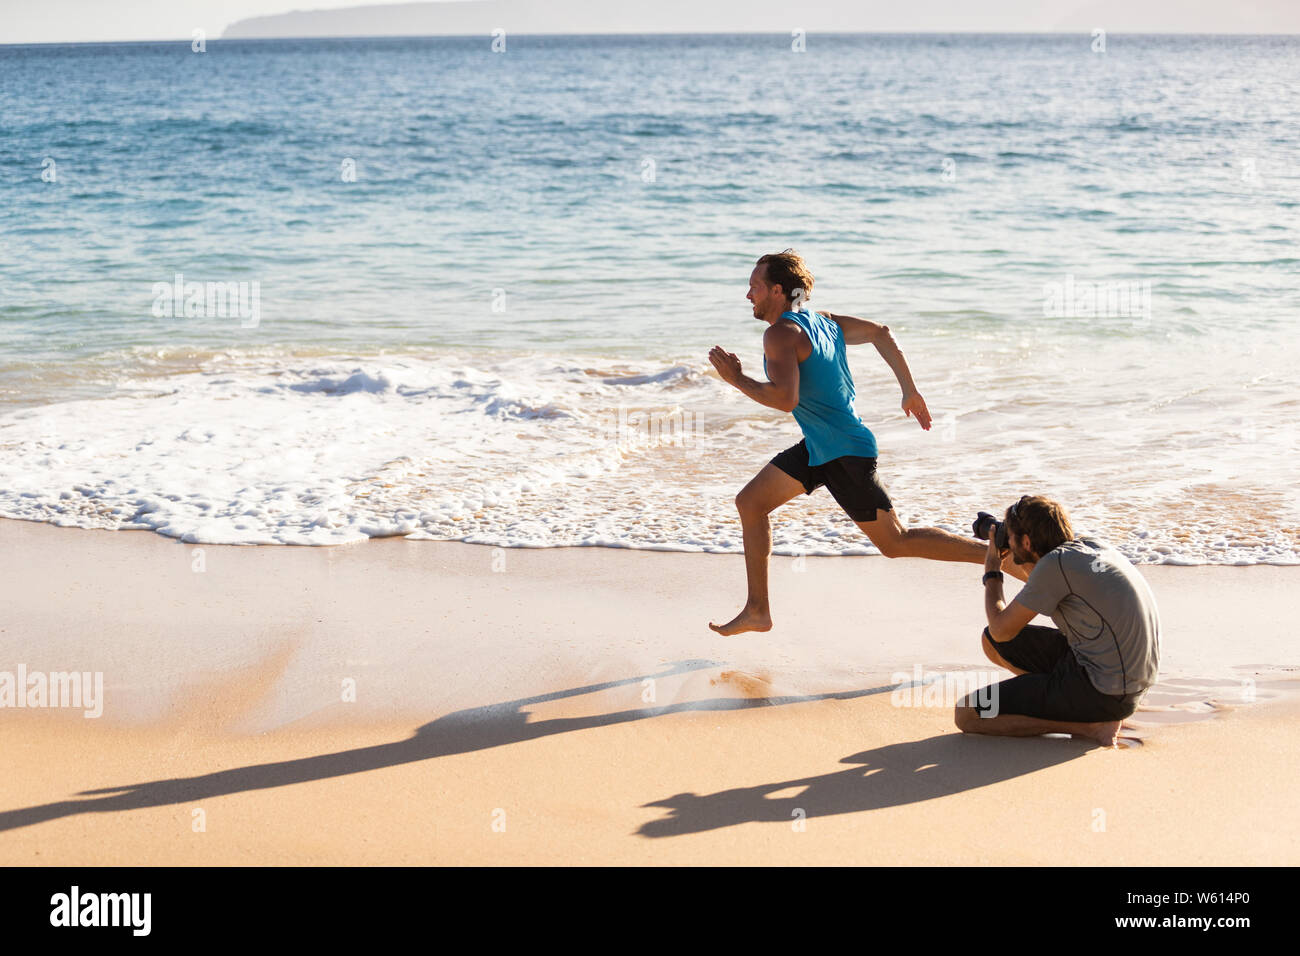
[
  {"x": 779, "y": 346},
  {"x": 863, "y": 332}
]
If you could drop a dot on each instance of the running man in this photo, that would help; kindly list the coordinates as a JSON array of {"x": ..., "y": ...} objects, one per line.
[{"x": 805, "y": 362}]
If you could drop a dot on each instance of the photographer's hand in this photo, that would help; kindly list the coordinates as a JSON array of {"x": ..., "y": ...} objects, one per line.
[
  {"x": 1005, "y": 620},
  {"x": 993, "y": 557},
  {"x": 993, "y": 599}
]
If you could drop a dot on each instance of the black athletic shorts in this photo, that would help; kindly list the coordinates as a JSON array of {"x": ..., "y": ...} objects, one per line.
[
  {"x": 1056, "y": 686},
  {"x": 851, "y": 480}
]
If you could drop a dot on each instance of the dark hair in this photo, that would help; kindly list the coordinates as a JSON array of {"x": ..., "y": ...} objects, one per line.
[
  {"x": 1043, "y": 519},
  {"x": 788, "y": 270}
]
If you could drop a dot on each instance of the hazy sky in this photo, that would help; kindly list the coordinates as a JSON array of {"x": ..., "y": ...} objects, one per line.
[{"x": 54, "y": 21}]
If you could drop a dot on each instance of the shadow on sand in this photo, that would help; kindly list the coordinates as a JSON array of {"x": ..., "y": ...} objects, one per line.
[
  {"x": 495, "y": 725},
  {"x": 889, "y": 776}
]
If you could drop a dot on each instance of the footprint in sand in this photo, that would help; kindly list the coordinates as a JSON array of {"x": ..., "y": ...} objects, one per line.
[
  {"x": 751, "y": 685},
  {"x": 1186, "y": 712}
]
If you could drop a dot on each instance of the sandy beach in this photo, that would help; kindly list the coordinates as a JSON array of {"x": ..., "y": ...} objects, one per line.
[{"x": 442, "y": 703}]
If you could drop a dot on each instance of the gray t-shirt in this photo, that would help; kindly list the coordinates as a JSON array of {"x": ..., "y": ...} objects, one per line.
[{"x": 1104, "y": 608}]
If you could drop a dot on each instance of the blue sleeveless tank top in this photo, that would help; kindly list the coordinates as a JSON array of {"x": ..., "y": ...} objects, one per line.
[{"x": 825, "y": 412}]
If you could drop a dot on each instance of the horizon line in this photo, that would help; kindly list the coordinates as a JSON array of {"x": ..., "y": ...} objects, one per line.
[{"x": 657, "y": 33}]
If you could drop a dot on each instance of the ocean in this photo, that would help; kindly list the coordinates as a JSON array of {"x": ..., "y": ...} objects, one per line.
[{"x": 313, "y": 292}]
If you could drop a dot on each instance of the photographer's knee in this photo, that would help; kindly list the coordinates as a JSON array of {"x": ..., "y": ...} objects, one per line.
[{"x": 987, "y": 645}]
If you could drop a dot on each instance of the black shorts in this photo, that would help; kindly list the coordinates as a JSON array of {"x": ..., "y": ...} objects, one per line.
[
  {"x": 1056, "y": 686},
  {"x": 851, "y": 480}
]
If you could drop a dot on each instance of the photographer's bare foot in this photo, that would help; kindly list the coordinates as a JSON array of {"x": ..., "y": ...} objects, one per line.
[
  {"x": 1105, "y": 733},
  {"x": 750, "y": 619}
]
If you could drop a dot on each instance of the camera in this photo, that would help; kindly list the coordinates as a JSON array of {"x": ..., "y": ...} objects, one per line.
[{"x": 986, "y": 524}]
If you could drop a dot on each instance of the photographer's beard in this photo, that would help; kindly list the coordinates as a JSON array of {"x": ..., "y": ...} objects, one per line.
[{"x": 1020, "y": 555}]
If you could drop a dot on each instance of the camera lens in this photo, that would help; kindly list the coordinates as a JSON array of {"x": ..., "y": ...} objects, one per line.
[{"x": 982, "y": 524}]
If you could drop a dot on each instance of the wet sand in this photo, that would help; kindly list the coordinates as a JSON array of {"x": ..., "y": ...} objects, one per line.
[{"x": 420, "y": 702}]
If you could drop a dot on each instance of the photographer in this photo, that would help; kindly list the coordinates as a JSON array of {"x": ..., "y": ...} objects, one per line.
[{"x": 1084, "y": 676}]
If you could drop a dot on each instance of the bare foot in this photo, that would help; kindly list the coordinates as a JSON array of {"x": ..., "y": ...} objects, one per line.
[
  {"x": 1105, "y": 733},
  {"x": 750, "y": 619}
]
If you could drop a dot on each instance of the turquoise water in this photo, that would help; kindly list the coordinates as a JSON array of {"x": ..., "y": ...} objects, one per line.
[{"x": 581, "y": 211}]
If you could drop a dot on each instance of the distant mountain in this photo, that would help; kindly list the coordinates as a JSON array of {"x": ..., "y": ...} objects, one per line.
[{"x": 471, "y": 17}]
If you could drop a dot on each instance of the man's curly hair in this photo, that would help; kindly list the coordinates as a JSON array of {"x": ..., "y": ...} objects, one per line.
[
  {"x": 1043, "y": 519},
  {"x": 788, "y": 270}
]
